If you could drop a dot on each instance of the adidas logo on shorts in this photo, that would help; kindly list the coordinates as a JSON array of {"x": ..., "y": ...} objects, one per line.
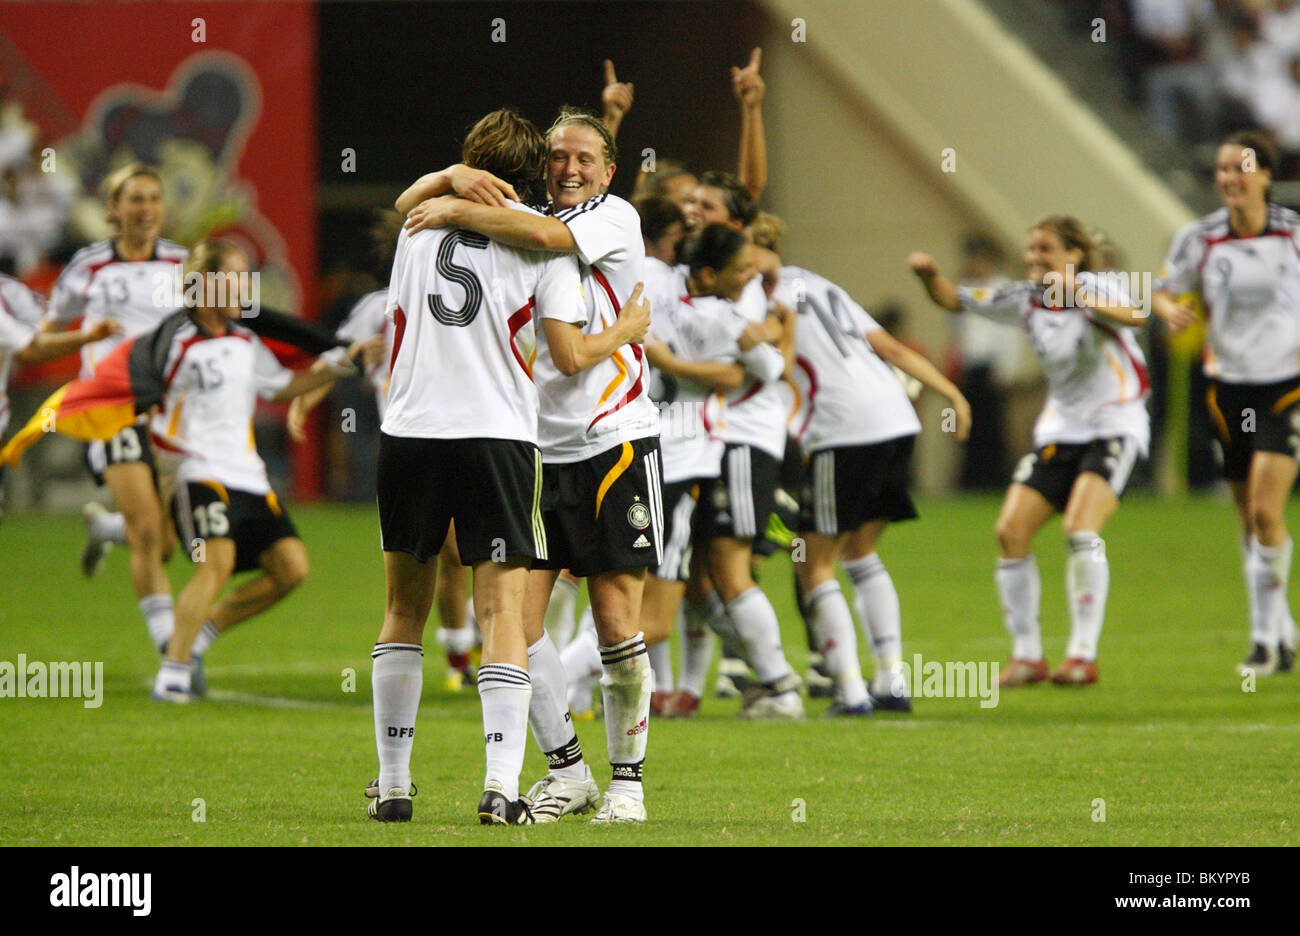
[{"x": 641, "y": 542}]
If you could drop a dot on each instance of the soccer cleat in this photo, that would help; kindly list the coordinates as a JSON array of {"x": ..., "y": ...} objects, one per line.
[
  {"x": 173, "y": 694},
  {"x": 733, "y": 679},
  {"x": 93, "y": 553},
  {"x": 681, "y": 704},
  {"x": 395, "y": 807},
  {"x": 1022, "y": 673},
  {"x": 657, "y": 702},
  {"x": 458, "y": 679},
  {"x": 198, "y": 682},
  {"x": 554, "y": 797},
  {"x": 1075, "y": 671},
  {"x": 372, "y": 789},
  {"x": 774, "y": 705},
  {"x": 1261, "y": 662},
  {"x": 495, "y": 809},
  {"x": 619, "y": 807},
  {"x": 886, "y": 701},
  {"x": 820, "y": 686},
  {"x": 1285, "y": 658},
  {"x": 839, "y": 710}
]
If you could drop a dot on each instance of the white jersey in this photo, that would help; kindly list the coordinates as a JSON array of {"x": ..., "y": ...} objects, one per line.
[
  {"x": 365, "y": 320},
  {"x": 97, "y": 283},
  {"x": 212, "y": 388},
  {"x": 1250, "y": 288},
  {"x": 701, "y": 328},
  {"x": 608, "y": 403},
  {"x": 757, "y": 413},
  {"x": 847, "y": 395},
  {"x": 20, "y": 320},
  {"x": 1096, "y": 374},
  {"x": 463, "y": 312}
]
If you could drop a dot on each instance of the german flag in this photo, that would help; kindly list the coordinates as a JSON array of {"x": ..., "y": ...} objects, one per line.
[{"x": 131, "y": 381}]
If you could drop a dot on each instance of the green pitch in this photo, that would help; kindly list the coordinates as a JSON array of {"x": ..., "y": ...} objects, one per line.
[{"x": 1167, "y": 748}]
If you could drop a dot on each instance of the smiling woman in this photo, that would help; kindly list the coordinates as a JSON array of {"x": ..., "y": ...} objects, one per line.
[{"x": 1244, "y": 261}]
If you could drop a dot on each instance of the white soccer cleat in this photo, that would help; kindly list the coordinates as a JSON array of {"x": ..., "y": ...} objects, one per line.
[
  {"x": 95, "y": 549},
  {"x": 173, "y": 694},
  {"x": 554, "y": 797},
  {"x": 619, "y": 807},
  {"x": 786, "y": 706}
]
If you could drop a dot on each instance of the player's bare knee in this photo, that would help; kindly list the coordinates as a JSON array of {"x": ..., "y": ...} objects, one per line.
[
  {"x": 1267, "y": 521},
  {"x": 1013, "y": 539},
  {"x": 144, "y": 534}
]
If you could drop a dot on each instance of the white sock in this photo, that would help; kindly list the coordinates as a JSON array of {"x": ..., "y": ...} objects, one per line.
[
  {"x": 159, "y": 617},
  {"x": 877, "y": 603},
  {"x": 697, "y": 648},
  {"x": 207, "y": 635},
  {"x": 661, "y": 664},
  {"x": 172, "y": 675},
  {"x": 458, "y": 640},
  {"x": 109, "y": 528},
  {"x": 1020, "y": 589},
  {"x": 505, "y": 691},
  {"x": 832, "y": 625},
  {"x": 581, "y": 660},
  {"x": 559, "y": 620},
  {"x": 1249, "y": 562},
  {"x": 396, "y": 680},
  {"x": 1087, "y": 579},
  {"x": 548, "y": 711},
  {"x": 626, "y": 687},
  {"x": 755, "y": 621},
  {"x": 1272, "y": 571}
]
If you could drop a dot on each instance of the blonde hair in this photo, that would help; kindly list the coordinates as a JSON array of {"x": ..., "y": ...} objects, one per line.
[
  {"x": 115, "y": 182},
  {"x": 1075, "y": 235},
  {"x": 768, "y": 230},
  {"x": 207, "y": 256}
]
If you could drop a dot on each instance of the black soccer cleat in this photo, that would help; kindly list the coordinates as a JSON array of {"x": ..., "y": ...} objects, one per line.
[
  {"x": 888, "y": 702},
  {"x": 1261, "y": 662},
  {"x": 495, "y": 809},
  {"x": 396, "y": 807},
  {"x": 1285, "y": 658}
]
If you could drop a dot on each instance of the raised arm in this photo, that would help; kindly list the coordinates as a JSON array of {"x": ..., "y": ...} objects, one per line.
[
  {"x": 521, "y": 229},
  {"x": 322, "y": 373},
  {"x": 473, "y": 184},
  {"x": 943, "y": 291},
  {"x": 748, "y": 86},
  {"x": 615, "y": 100},
  {"x": 47, "y": 345},
  {"x": 573, "y": 350},
  {"x": 892, "y": 351}
]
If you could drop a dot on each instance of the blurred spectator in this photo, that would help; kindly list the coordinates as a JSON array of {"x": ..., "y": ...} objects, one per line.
[{"x": 1179, "y": 84}]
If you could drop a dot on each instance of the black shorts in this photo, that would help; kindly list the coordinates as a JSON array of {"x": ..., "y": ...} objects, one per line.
[
  {"x": 1052, "y": 470},
  {"x": 849, "y": 486},
  {"x": 490, "y": 487},
  {"x": 605, "y": 514},
  {"x": 680, "y": 498},
  {"x": 1252, "y": 418},
  {"x": 205, "y": 510},
  {"x": 737, "y": 502},
  {"x": 130, "y": 445}
]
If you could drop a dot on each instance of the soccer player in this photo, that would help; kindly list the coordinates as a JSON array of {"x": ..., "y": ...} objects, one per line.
[
  {"x": 856, "y": 426},
  {"x": 1092, "y": 430},
  {"x": 120, "y": 278},
  {"x": 1244, "y": 261},
  {"x": 706, "y": 351},
  {"x": 451, "y": 387},
  {"x": 22, "y": 340},
  {"x": 366, "y": 322},
  {"x": 599, "y": 439},
  {"x": 228, "y": 516}
]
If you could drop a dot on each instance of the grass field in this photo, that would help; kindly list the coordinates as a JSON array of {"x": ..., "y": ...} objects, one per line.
[{"x": 1169, "y": 740}]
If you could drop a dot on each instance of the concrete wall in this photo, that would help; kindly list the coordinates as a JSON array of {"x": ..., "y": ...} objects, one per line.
[{"x": 858, "y": 118}]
